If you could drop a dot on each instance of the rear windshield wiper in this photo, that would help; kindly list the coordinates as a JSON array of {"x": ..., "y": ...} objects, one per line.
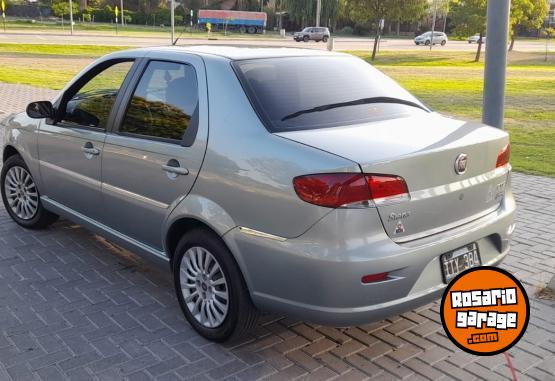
[{"x": 361, "y": 101}]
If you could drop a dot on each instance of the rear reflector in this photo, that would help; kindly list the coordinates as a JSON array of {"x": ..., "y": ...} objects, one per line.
[
  {"x": 372, "y": 278},
  {"x": 504, "y": 156},
  {"x": 334, "y": 190}
]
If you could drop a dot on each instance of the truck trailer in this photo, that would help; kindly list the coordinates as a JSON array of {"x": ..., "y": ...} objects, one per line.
[{"x": 245, "y": 22}]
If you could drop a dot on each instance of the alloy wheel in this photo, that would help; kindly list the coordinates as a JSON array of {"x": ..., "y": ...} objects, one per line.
[
  {"x": 21, "y": 193},
  {"x": 204, "y": 287}
]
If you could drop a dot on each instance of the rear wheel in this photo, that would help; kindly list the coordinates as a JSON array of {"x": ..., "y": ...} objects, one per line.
[
  {"x": 242, "y": 29},
  {"x": 325, "y": 39},
  {"x": 443, "y": 43},
  {"x": 210, "y": 288},
  {"x": 251, "y": 30},
  {"x": 21, "y": 196}
]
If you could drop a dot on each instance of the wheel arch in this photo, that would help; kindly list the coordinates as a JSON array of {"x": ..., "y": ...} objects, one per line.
[{"x": 9, "y": 151}]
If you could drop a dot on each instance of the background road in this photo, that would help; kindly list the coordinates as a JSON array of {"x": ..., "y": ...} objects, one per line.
[{"x": 341, "y": 43}]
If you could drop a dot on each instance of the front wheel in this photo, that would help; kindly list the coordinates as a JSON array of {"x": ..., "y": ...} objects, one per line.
[
  {"x": 306, "y": 38},
  {"x": 21, "y": 196},
  {"x": 210, "y": 288},
  {"x": 427, "y": 43},
  {"x": 325, "y": 39}
]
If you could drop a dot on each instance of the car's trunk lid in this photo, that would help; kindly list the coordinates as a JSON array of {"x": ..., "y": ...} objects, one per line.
[{"x": 423, "y": 150}]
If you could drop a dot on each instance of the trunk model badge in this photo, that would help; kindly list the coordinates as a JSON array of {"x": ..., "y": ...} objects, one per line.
[
  {"x": 399, "y": 228},
  {"x": 460, "y": 163}
]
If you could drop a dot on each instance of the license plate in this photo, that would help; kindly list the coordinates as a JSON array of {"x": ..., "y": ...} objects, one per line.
[{"x": 459, "y": 260}]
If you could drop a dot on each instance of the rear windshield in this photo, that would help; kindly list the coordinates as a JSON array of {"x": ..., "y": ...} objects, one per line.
[{"x": 284, "y": 92}]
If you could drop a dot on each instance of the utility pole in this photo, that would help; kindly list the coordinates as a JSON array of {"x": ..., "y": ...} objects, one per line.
[
  {"x": 172, "y": 20},
  {"x": 433, "y": 25},
  {"x": 122, "y": 17},
  {"x": 261, "y": 5},
  {"x": 318, "y": 11},
  {"x": 71, "y": 17},
  {"x": 496, "y": 62}
]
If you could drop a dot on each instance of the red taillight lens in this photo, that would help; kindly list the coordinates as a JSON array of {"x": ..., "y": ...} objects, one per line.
[
  {"x": 384, "y": 187},
  {"x": 372, "y": 278},
  {"x": 333, "y": 190},
  {"x": 504, "y": 156}
]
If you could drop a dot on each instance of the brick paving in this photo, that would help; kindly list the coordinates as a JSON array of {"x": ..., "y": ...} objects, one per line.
[{"x": 74, "y": 306}]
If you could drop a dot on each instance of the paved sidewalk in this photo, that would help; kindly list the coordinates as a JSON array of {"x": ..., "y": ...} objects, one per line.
[{"x": 73, "y": 305}]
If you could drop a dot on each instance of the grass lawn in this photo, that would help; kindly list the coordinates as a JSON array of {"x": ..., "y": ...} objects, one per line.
[{"x": 449, "y": 82}]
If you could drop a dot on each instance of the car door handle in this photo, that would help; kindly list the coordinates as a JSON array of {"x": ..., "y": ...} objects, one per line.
[
  {"x": 91, "y": 151},
  {"x": 175, "y": 170}
]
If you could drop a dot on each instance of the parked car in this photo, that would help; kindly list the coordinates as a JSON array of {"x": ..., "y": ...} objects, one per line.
[
  {"x": 476, "y": 38},
  {"x": 259, "y": 187},
  {"x": 312, "y": 33},
  {"x": 426, "y": 38}
]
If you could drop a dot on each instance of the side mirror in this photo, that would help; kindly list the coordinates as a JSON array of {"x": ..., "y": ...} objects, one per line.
[{"x": 40, "y": 110}]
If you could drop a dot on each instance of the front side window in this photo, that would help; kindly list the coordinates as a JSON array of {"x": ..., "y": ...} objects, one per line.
[
  {"x": 164, "y": 101},
  {"x": 288, "y": 97},
  {"x": 91, "y": 105}
]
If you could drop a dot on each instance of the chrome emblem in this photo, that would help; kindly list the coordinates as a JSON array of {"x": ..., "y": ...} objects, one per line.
[{"x": 460, "y": 163}]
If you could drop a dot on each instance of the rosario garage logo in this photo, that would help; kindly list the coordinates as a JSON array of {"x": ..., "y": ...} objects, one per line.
[{"x": 485, "y": 311}]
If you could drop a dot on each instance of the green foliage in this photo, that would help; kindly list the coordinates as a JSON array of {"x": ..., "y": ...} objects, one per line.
[
  {"x": 304, "y": 11},
  {"x": 468, "y": 16},
  {"x": 528, "y": 14},
  {"x": 61, "y": 8}
]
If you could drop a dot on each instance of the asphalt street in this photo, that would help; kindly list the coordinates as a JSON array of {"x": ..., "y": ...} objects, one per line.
[{"x": 341, "y": 43}]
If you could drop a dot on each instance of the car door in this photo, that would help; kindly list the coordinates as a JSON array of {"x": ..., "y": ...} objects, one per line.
[
  {"x": 70, "y": 150},
  {"x": 152, "y": 158}
]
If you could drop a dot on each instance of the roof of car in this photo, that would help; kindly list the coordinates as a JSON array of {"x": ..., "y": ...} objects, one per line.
[{"x": 244, "y": 52}]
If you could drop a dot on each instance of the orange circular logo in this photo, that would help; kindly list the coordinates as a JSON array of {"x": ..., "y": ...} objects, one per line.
[{"x": 485, "y": 311}]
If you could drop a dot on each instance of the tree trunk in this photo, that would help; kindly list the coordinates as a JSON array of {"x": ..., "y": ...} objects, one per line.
[
  {"x": 398, "y": 27},
  {"x": 512, "y": 44},
  {"x": 376, "y": 44},
  {"x": 479, "y": 50}
]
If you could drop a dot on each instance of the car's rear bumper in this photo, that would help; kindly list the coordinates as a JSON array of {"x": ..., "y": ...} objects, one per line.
[{"x": 317, "y": 276}]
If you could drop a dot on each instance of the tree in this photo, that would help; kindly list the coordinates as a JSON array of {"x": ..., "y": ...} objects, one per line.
[
  {"x": 61, "y": 8},
  {"x": 407, "y": 11},
  {"x": 304, "y": 11},
  {"x": 526, "y": 14},
  {"x": 469, "y": 17}
]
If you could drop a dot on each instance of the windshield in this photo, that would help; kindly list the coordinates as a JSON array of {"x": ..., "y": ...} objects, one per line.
[
  {"x": 295, "y": 93},
  {"x": 306, "y": 29}
]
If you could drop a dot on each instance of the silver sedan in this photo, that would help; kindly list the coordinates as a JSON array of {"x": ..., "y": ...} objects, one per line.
[{"x": 264, "y": 184}]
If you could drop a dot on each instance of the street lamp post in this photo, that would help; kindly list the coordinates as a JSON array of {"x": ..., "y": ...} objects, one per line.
[
  {"x": 121, "y": 7},
  {"x": 318, "y": 11},
  {"x": 71, "y": 17},
  {"x": 496, "y": 62},
  {"x": 433, "y": 25},
  {"x": 172, "y": 20}
]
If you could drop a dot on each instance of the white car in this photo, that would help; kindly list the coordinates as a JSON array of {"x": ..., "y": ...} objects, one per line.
[
  {"x": 426, "y": 38},
  {"x": 476, "y": 38}
]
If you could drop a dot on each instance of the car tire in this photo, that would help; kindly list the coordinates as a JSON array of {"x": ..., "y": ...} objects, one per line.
[
  {"x": 325, "y": 39},
  {"x": 427, "y": 43},
  {"x": 202, "y": 296},
  {"x": 251, "y": 30},
  {"x": 306, "y": 38},
  {"x": 443, "y": 43},
  {"x": 21, "y": 196}
]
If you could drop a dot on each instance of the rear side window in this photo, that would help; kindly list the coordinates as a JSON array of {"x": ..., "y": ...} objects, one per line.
[
  {"x": 164, "y": 101},
  {"x": 287, "y": 92}
]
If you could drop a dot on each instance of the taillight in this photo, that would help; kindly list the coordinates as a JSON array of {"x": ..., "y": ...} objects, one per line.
[
  {"x": 334, "y": 190},
  {"x": 504, "y": 156}
]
